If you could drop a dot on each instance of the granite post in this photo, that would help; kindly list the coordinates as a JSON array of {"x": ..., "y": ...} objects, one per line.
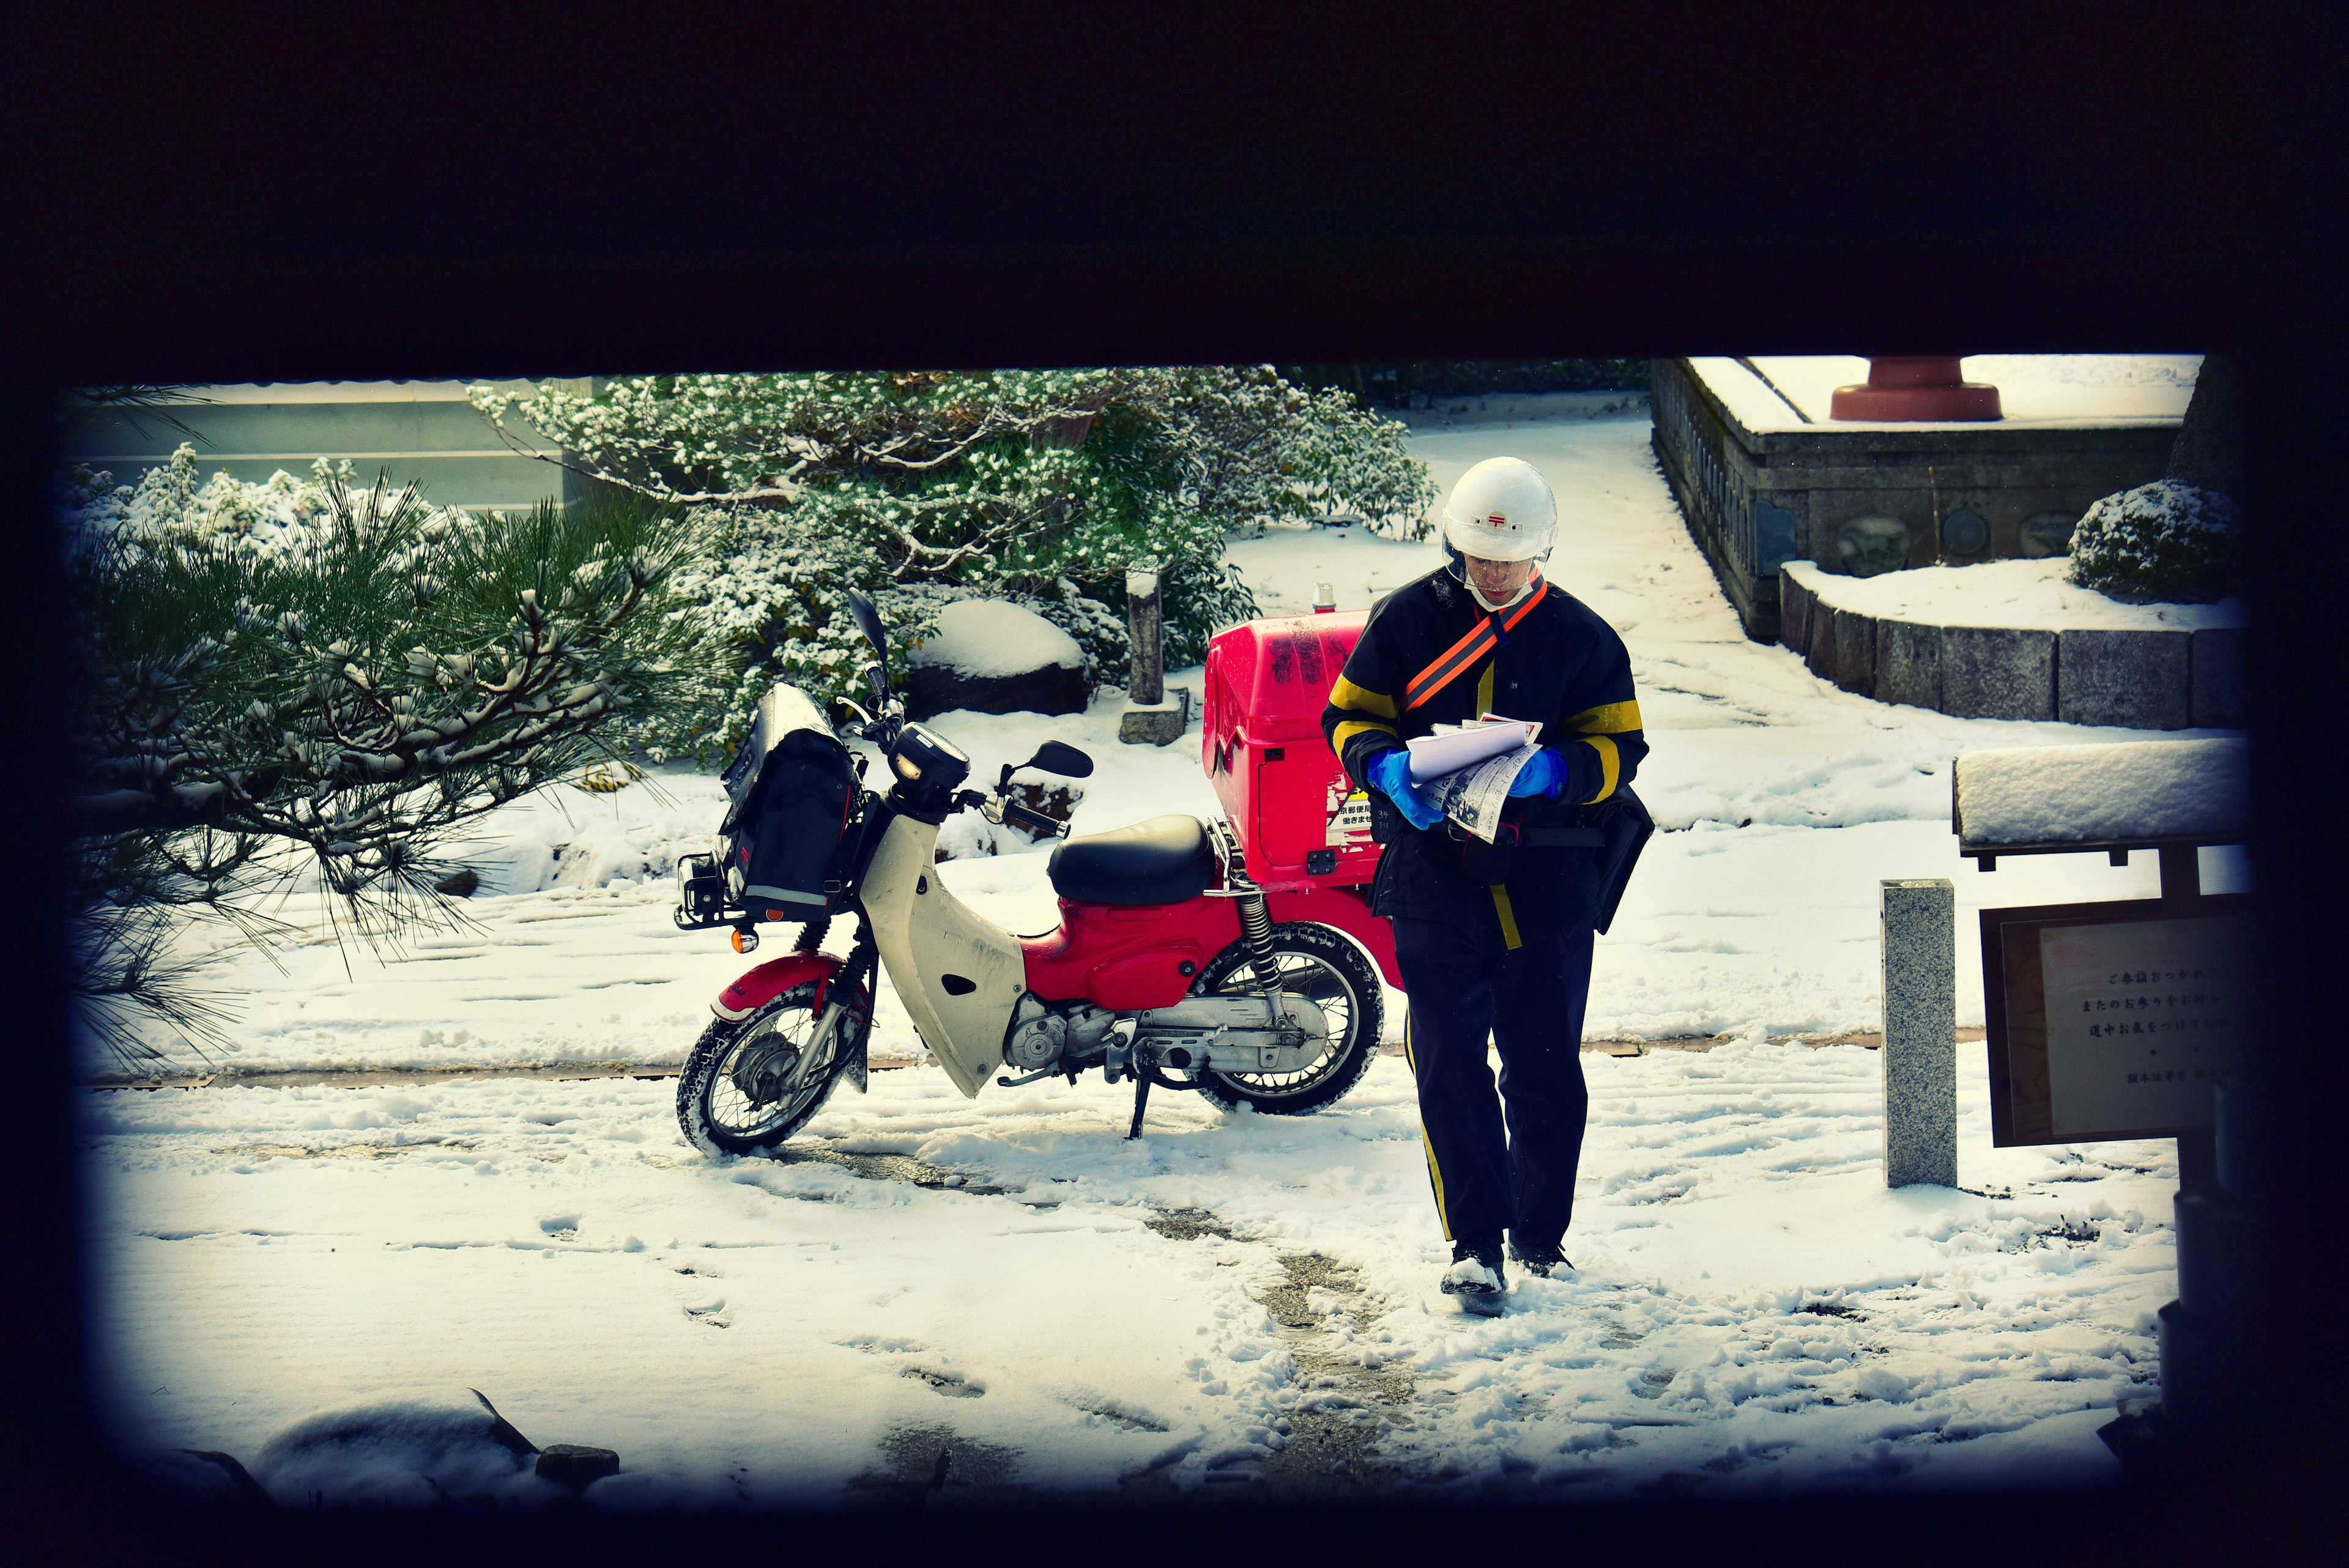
[
  {"x": 1150, "y": 718},
  {"x": 1920, "y": 1032},
  {"x": 1143, "y": 685}
]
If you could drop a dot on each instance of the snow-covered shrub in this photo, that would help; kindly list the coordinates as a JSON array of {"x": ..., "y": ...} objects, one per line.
[
  {"x": 172, "y": 502},
  {"x": 1038, "y": 487},
  {"x": 2165, "y": 541}
]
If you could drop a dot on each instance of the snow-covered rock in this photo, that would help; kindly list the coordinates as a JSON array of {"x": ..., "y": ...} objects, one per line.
[
  {"x": 420, "y": 1448},
  {"x": 996, "y": 657}
]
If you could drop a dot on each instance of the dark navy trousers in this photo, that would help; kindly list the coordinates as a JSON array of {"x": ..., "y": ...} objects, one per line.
[{"x": 1529, "y": 1000}]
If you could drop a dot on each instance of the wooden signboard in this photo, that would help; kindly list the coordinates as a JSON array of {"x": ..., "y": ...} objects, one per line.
[{"x": 2110, "y": 1020}]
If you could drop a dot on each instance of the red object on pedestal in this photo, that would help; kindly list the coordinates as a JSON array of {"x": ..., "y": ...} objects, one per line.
[{"x": 1915, "y": 387}]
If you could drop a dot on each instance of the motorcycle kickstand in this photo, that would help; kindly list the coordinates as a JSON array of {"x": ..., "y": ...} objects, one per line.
[{"x": 1140, "y": 1099}]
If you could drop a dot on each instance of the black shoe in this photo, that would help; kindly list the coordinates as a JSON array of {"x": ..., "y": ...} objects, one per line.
[
  {"x": 1538, "y": 1260},
  {"x": 1475, "y": 1277}
]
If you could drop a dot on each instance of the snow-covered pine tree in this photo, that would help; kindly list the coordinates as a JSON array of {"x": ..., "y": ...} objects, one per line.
[
  {"x": 289, "y": 679},
  {"x": 1038, "y": 487}
]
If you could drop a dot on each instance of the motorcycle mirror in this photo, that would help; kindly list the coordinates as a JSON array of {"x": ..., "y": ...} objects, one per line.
[
  {"x": 868, "y": 622},
  {"x": 1059, "y": 757}
]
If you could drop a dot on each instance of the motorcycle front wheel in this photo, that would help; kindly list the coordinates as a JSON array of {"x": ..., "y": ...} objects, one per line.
[
  {"x": 729, "y": 1098},
  {"x": 1327, "y": 970}
]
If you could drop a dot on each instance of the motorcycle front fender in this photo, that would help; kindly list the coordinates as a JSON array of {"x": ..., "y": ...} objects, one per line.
[{"x": 762, "y": 985}]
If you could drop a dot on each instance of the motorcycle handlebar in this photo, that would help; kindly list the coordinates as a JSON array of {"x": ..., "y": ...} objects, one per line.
[{"x": 1013, "y": 811}]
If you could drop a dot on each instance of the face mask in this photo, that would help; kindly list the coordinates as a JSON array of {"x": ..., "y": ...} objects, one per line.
[{"x": 1460, "y": 570}]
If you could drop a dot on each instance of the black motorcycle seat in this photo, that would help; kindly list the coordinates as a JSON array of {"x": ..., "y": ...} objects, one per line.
[{"x": 1162, "y": 861}]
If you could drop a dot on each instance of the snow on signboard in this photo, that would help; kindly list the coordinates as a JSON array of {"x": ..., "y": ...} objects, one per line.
[{"x": 2102, "y": 795}]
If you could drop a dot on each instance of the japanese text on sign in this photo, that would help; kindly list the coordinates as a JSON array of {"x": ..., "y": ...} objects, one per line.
[{"x": 2141, "y": 1016}]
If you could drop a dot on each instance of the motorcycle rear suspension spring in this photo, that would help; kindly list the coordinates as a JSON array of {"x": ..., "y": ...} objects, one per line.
[
  {"x": 1256, "y": 919},
  {"x": 1257, "y": 923}
]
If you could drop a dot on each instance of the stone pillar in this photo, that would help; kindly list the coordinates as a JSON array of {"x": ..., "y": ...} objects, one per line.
[
  {"x": 1149, "y": 718},
  {"x": 1148, "y": 684},
  {"x": 1920, "y": 1033}
]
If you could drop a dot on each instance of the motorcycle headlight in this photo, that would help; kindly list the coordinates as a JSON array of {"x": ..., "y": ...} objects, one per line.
[{"x": 926, "y": 757}]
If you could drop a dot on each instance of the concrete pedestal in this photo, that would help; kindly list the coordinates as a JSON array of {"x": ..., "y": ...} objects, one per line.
[
  {"x": 1156, "y": 723},
  {"x": 1924, "y": 388},
  {"x": 1920, "y": 1032}
]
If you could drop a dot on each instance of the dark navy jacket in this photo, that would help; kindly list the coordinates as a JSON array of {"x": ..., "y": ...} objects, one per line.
[{"x": 1562, "y": 665}]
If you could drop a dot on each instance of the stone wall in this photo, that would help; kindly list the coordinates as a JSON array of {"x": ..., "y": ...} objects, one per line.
[
  {"x": 1755, "y": 500},
  {"x": 2151, "y": 679}
]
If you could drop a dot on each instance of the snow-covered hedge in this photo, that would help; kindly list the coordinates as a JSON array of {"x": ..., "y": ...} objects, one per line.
[
  {"x": 2163, "y": 541},
  {"x": 172, "y": 502}
]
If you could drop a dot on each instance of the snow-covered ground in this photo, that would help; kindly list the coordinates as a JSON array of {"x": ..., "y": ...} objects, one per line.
[
  {"x": 2038, "y": 596},
  {"x": 1753, "y": 1308}
]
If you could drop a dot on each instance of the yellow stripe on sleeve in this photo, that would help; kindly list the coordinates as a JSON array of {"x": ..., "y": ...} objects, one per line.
[
  {"x": 1610, "y": 766},
  {"x": 1353, "y": 727},
  {"x": 1610, "y": 719},
  {"x": 1360, "y": 698}
]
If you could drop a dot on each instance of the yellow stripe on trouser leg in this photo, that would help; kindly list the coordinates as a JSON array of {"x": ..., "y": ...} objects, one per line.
[
  {"x": 1434, "y": 1175},
  {"x": 1509, "y": 916},
  {"x": 1610, "y": 766}
]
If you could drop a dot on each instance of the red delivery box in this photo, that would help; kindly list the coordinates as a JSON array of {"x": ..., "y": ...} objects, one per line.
[{"x": 1299, "y": 821}]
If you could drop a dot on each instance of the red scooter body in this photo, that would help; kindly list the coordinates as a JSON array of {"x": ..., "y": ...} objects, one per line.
[
  {"x": 1304, "y": 830},
  {"x": 1122, "y": 957},
  {"x": 1128, "y": 956}
]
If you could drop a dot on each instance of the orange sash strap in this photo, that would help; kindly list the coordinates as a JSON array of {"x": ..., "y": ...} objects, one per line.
[{"x": 1464, "y": 654}]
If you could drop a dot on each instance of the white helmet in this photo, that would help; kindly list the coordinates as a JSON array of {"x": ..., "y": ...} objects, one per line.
[{"x": 1501, "y": 509}]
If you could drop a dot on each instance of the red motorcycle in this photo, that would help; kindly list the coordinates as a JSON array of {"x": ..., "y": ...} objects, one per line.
[{"x": 1235, "y": 959}]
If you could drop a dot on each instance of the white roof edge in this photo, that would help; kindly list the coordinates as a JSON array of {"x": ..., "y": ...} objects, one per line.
[
  {"x": 348, "y": 391},
  {"x": 1751, "y": 401}
]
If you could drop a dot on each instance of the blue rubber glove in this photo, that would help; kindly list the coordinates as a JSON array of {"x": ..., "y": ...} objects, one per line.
[
  {"x": 1390, "y": 772},
  {"x": 1546, "y": 774}
]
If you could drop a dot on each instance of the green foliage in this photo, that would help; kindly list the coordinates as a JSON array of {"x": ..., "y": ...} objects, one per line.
[
  {"x": 290, "y": 680},
  {"x": 1038, "y": 487},
  {"x": 2167, "y": 541}
]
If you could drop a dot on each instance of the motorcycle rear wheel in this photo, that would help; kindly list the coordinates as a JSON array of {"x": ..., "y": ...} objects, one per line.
[
  {"x": 1321, "y": 965},
  {"x": 712, "y": 1111}
]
